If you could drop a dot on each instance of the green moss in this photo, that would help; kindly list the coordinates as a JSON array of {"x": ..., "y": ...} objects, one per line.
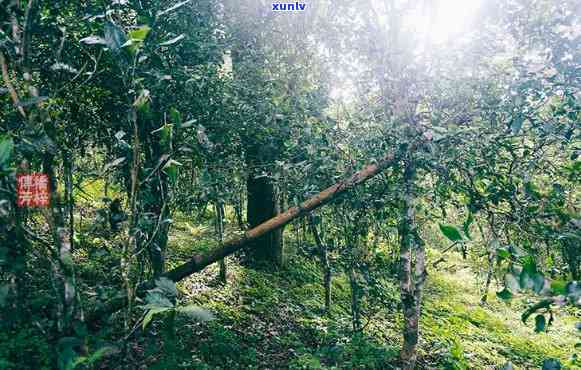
[
  {"x": 491, "y": 334},
  {"x": 274, "y": 319}
]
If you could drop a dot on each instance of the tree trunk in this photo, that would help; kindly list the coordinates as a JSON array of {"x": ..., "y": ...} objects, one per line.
[
  {"x": 156, "y": 196},
  {"x": 69, "y": 197},
  {"x": 491, "y": 247},
  {"x": 158, "y": 237},
  {"x": 355, "y": 299},
  {"x": 64, "y": 268},
  {"x": 262, "y": 206},
  {"x": 411, "y": 284},
  {"x": 248, "y": 69},
  {"x": 219, "y": 208},
  {"x": 489, "y": 273},
  {"x": 238, "y": 206},
  {"x": 324, "y": 263},
  {"x": 15, "y": 245},
  {"x": 570, "y": 252}
]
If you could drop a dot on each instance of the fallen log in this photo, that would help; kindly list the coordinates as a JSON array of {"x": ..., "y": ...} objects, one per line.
[{"x": 198, "y": 262}]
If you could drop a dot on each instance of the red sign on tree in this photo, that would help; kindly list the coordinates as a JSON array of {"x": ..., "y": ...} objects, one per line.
[{"x": 32, "y": 190}]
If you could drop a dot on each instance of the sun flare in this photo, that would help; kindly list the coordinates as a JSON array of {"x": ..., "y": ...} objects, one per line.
[{"x": 447, "y": 19}]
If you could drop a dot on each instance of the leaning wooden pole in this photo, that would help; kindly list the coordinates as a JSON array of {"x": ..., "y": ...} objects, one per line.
[{"x": 199, "y": 262}]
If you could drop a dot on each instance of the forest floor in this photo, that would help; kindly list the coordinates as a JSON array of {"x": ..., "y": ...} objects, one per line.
[{"x": 276, "y": 320}]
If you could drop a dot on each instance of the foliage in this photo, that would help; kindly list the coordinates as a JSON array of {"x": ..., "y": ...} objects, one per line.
[
  {"x": 159, "y": 300},
  {"x": 154, "y": 119}
]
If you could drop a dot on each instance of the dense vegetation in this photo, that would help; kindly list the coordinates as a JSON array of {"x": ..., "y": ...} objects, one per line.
[{"x": 339, "y": 187}]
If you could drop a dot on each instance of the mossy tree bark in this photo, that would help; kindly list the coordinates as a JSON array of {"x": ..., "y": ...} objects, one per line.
[
  {"x": 262, "y": 141},
  {"x": 412, "y": 271},
  {"x": 263, "y": 205},
  {"x": 326, "y": 266}
]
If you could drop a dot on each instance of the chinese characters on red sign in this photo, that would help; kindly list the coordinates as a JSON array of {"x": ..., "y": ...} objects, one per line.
[{"x": 32, "y": 190}]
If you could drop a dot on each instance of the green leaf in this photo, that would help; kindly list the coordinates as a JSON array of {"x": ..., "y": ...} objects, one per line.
[
  {"x": 504, "y": 294},
  {"x": 136, "y": 38},
  {"x": 517, "y": 123},
  {"x": 139, "y": 33},
  {"x": 503, "y": 253},
  {"x": 142, "y": 101},
  {"x": 176, "y": 117},
  {"x": 6, "y": 148},
  {"x": 538, "y": 282},
  {"x": 173, "y": 41},
  {"x": 156, "y": 299},
  {"x": 540, "y": 323},
  {"x": 171, "y": 170},
  {"x": 451, "y": 232},
  {"x": 93, "y": 40},
  {"x": 196, "y": 313},
  {"x": 95, "y": 356},
  {"x": 172, "y": 173},
  {"x": 529, "y": 265},
  {"x": 559, "y": 286},
  {"x": 66, "y": 358},
  {"x": 4, "y": 291},
  {"x": 173, "y": 8},
  {"x": 467, "y": 224},
  {"x": 526, "y": 280},
  {"x": 166, "y": 136},
  {"x": 507, "y": 366},
  {"x": 151, "y": 313},
  {"x": 114, "y": 36},
  {"x": 66, "y": 352},
  {"x": 167, "y": 286},
  {"x": 80, "y": 329},
  {"x": 511, "y": 282},
  {"x": 551, "y": 364}
]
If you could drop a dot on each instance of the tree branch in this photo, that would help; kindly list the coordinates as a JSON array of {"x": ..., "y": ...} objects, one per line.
[{"x": 9, "y": 86}]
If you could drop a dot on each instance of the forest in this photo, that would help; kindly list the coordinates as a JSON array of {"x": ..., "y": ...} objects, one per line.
[{"x": 325, "y": 184}]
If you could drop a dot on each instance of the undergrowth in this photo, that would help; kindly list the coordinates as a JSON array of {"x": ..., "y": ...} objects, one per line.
[{"x": 277, "y": 320}]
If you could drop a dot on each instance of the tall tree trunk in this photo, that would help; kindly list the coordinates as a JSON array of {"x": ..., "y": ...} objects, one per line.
[
  {"x": 324, "y": 262},
  {"x": 491, "y": 250},
  {"x": 249, "y": 68},
  {"x": 64, "y": 268},
  {"x": 355, "y": 299},
  {"x": 15, "y": 245},
  {"x": 156, "y": 199},
  {"x": 131, "y": 241},
  {"x": 489, "y": 273},
  {"x": 411, "y": 277},
  {"x": 219, "y": 207},
  {"x": 238, "y": 206},
  {"x": 263, "y": 205},
  {"x": 157, "y": 243},
  {"x": 69, "y": 198}
]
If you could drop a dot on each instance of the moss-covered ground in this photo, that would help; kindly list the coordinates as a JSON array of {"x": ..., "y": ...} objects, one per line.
[{"x": 276, "y": 320}]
